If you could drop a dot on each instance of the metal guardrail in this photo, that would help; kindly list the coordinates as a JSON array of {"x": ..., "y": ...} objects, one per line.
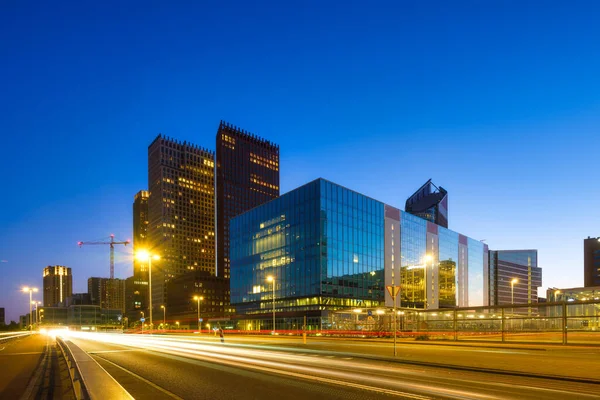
[
  {"x": 12, "y": 335},
  {"x": 79, "y": 388}
]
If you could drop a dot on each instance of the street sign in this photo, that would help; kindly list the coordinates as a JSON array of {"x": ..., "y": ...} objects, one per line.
[
  {"x": 142, "y": 319},
  {"x": 393, "y": 290}
]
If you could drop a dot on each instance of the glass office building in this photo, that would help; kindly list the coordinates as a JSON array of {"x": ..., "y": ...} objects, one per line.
[{"x": 330, "y": 248}]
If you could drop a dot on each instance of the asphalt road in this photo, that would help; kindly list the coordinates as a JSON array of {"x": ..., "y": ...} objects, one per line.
[
  {"x": 19, "y": 359},
  {"x": 574, "y": 362},
  {"x": 154, "y": 367}
]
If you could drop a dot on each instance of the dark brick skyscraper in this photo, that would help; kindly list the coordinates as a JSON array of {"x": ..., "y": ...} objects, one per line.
[
  {"x": 247, "y": 176},
  {"x": 181, "y": 211}
]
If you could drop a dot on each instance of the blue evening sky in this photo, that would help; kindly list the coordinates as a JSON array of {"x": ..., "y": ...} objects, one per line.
[{"x": 497, "y": 101}]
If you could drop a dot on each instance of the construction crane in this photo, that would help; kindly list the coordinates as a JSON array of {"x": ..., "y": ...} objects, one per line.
[{"x": 112, "y": 251}]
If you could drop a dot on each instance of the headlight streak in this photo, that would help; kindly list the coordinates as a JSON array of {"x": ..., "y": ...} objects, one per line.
[{"x": 279, "y": 363}]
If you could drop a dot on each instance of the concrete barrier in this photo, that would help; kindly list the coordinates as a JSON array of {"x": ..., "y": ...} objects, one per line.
[{"x": 90, "y": 380}]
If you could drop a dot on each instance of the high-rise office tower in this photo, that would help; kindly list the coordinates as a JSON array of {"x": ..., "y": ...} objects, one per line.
[
  {"x": 136, "y": 287},
  {"x": 514, "y": 277},
  {"x": 181, "y": 211},
  {"x": 429, "y": 202},
  {"x": 58, "y": 285},
  {"x": 247, "y": 176},
  {"x": 107, "y": 293},
  {"x": 591, "y": 262},
  {"x": 140, "y": 232}
]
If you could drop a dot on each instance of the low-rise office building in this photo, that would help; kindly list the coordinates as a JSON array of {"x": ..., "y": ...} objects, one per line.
[{"x": 323, "y": 247}]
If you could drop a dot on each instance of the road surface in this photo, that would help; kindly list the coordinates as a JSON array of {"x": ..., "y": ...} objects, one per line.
[{"x": 153, "y": 367}]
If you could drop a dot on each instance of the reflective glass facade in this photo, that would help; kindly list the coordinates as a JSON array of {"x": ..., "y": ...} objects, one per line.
[
  {"x": 329, "y": 248},
  {"x": 439, "y": 268},
  {"x": 322, "y": 243}
]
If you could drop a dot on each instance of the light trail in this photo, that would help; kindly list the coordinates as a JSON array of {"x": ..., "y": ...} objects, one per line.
[{"x": 324, "y": 370}]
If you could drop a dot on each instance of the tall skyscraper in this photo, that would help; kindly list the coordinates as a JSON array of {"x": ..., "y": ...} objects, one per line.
[
  {"x": 136, "y": 287},
  {"x": 514, "y": 277},
  {"x": 140, "y": 232},
  {"x": 181, "y": 211},
  {"x": 107, "y": 293},
  {"x": 58, "y": 285},
  {"x": 591, "y": 262},
  {"x": 429, "y": 202},
  {"x": 247, "y": 176}
]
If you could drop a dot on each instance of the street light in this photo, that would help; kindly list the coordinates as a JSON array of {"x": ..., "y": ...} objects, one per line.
[
  {"x": 271, "y": 279},
  {"x": 512, "y": 290},
  {"x": 164, "y": 316},
  {"x": 199, "y": 299},
  {"x": 143, "y": 255},
  {"x": 177, "y": 323},
  {"x": 30, "y": 290}
]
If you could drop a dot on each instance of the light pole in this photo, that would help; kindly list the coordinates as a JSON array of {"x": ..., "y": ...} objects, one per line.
[
  {"x": 271, "y": 279},
  {"x": 199, "y": 299},
  {"x": 512, "y": 290},
  {"x": 30, "y": 290},
  {"x": 143, "y": 255},
  {"x": 177, "y": 323},
  {"x": 164, "y": 316}
]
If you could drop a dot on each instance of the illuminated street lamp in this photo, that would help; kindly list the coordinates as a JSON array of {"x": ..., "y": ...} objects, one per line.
[
  {"x": 199, "y": 299},
  {"x": 143, "y": 255},
  {"x": 30, "y": 290},
  {"x": 512, "y": 290},
  {"x": 271, "y": 279},
  {"x": 164, "y": 316},
  {"x": 177, "y": 323}
]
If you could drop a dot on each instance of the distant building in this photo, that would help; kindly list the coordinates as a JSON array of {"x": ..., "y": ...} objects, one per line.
[
  {"x": 181, "y": 212},
  {"x": 58, "y": 285},
  {"x": 519, "y": 265},
  {"x": 181, "y": 305},
  {"x": 79, "y": 299},
  {"x": 81, "y": 317},
  {"x": 107, "y": 293},
  {"x": 136, "y": 298},
  {"x": 429, "y": 202},
  {"x": 591, "y": 261},
  {"x": 573, "y": 294},
  {"x": 330, "y": 248},
  {"x": 2, "y": 316},
  {"x": 24, "y": 321},
  {"x": 247, "y": 176}
]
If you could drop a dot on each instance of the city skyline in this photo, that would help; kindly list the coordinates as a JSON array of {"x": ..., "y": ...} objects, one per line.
[{"x": 491, "y": 114}]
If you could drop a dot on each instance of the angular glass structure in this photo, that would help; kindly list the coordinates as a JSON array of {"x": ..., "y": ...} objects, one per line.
[{"x": 330, "y": 248}]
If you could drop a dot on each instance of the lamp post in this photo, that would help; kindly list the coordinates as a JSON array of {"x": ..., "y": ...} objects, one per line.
[
  {"x": 271, "y": 279},
  {"x": 143, "y": 255},
  {"x": 30, "y": 290},
  {"x": 199, "y": 299},
  {"x": 512, "y": 290},
  {"x": 164, "y": 316},
  {"x": 177, "y": 323},
  {"x": 37, "y": 313}
]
